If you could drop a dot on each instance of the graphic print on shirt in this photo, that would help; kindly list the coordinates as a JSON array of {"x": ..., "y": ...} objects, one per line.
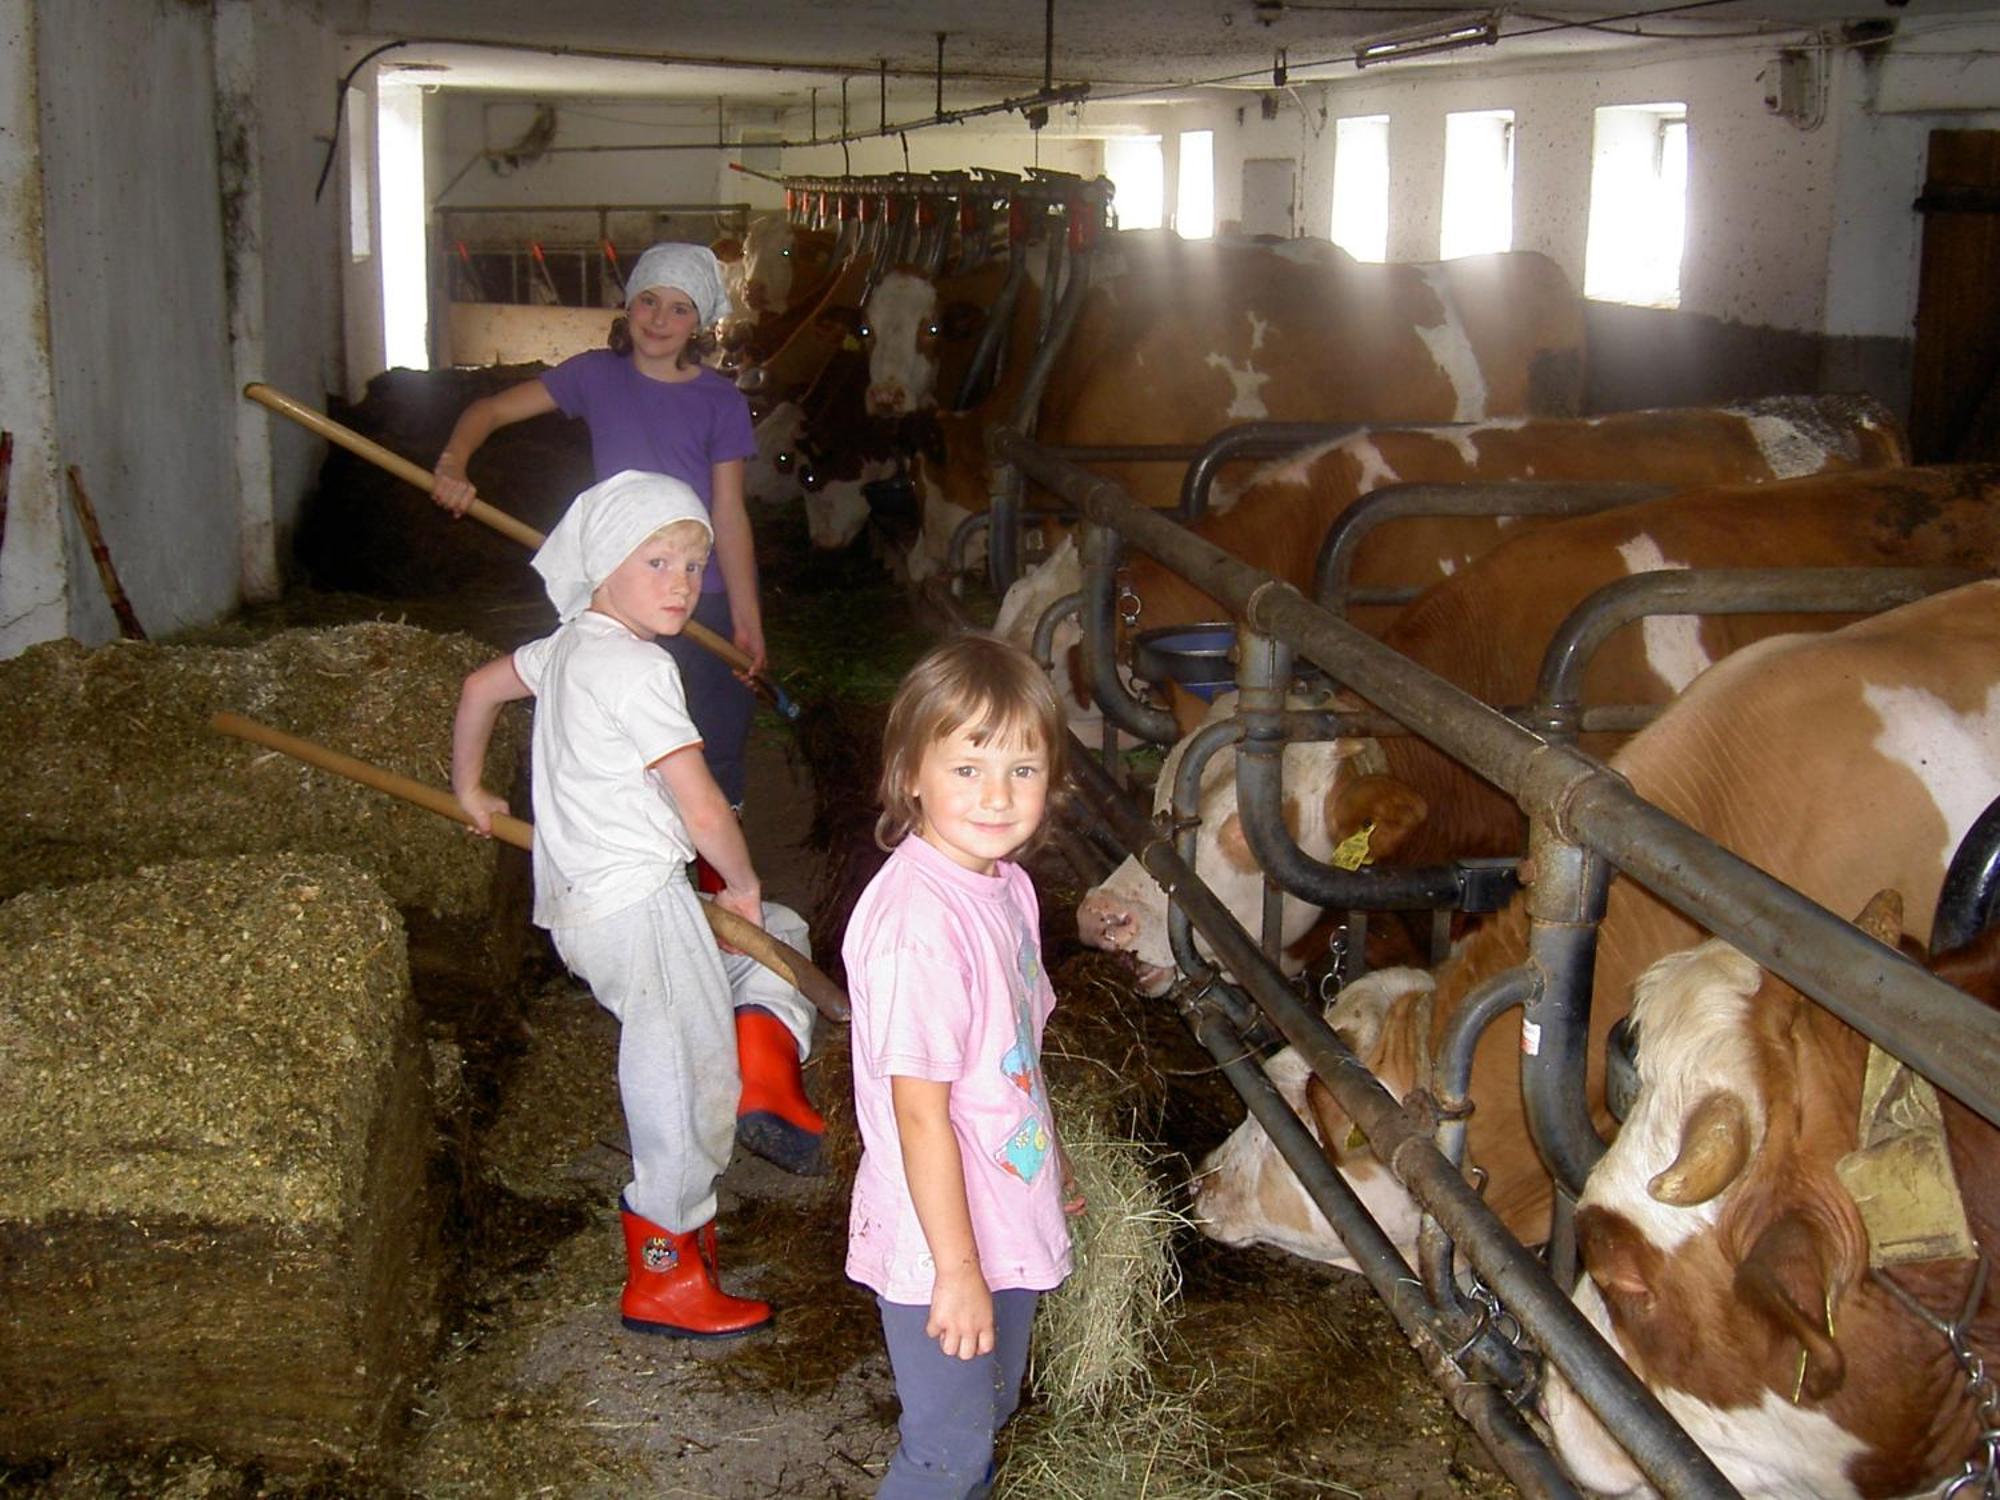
[{"x": 1026, "y": 1148}]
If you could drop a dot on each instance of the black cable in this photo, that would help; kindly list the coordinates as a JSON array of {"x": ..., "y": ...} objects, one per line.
[{"x": 340, "y": 110}]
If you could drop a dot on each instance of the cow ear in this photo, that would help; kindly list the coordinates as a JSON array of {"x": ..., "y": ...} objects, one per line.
[
  {"x": 1361, "y": 1009},
  {"x": 1337, "y": 1133},
  {"x": 1617, "y": 1257},
  {"x": 1787, "y": 1279},
  {"x": 1882, "y": 918},
  {"x": 726, "y": 250},
  {"x": 1394, "y": 809}
]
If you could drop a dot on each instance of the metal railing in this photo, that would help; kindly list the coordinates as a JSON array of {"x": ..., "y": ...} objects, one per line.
[{"x": 1584, "y": 822}]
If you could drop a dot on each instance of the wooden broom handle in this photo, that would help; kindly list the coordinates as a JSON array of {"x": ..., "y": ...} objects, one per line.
[
  {"x": 425, "y": 480},
  {"x": 781, "y": 959}
]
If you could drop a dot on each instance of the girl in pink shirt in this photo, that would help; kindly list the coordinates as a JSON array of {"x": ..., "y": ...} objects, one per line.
[{"x": 960, "y": 1201}]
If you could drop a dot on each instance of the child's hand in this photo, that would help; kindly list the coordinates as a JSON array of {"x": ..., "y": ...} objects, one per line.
[
  {"x": 749, "y": 905},
  {"x": 1074, "y": 1202},
  {"x": 452, "y": 489},
  {"x": 480, "y": 805},
  {"x": 961, "y": 1317}
]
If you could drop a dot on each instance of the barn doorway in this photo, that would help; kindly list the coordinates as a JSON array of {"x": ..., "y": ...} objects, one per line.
[
  {"x": 1268, "y": 203},
  {"x": 1955, "y": 365}
]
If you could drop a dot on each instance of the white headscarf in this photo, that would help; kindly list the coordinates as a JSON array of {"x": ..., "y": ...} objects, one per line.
[
  {"x": 690, "y": 268},
  {"x": 604, "y": 526}
]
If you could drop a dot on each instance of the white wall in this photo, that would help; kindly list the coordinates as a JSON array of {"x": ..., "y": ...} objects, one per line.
[
  {"x": 143, "y": 385},
  {"x": 34, "y": 581}
]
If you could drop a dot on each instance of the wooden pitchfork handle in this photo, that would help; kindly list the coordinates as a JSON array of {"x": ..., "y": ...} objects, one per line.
[
  {"x": 781, "y": 959},
  {"x": 426, "y": 481}
]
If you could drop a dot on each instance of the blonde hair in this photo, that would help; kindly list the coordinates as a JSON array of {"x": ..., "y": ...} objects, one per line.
[
  {"x": 676, "y": 532},
  {"x": 978, "y": 683}
]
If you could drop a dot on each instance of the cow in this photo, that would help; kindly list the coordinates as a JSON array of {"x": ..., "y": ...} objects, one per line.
[
  {"x": 1175, "y": 340},
  {"x": 1276, "y": 522},
  {"x": 1837, "y": 763},
  {"x": 1486, "y": 628},
  {"x": 921, "y": 333},
  {"x": 789, "y": 370},
  {"x": 786, "y": 271},
  {"x": 1733, "y": 1276}
]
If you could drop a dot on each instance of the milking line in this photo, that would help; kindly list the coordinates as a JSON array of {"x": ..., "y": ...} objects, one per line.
[{"x": 488, "y": 515}]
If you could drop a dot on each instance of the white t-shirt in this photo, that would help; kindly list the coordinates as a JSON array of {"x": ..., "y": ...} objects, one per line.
[{"x": 608, "y": 705}]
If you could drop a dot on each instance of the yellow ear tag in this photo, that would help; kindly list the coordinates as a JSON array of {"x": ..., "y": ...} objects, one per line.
[
  {"x": 850, "y": 343},
  {"x": 1352, "y": 853}
]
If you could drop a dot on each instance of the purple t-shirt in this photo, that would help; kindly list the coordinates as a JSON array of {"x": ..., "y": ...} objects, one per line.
[
  {"x": 944, "y": 974},
  {"x": 678, "y": 428}
]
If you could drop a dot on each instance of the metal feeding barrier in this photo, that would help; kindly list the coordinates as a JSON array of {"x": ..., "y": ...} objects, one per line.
[{"x": 1584, "y": 821}]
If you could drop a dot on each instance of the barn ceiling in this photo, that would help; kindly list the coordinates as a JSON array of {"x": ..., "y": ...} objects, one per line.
[{"x": 756, "y": 54}]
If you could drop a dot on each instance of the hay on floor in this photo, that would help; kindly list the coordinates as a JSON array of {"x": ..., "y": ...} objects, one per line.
[
  {"x": 214, "y": 1137},
  {"x": 114, "y": 765}
]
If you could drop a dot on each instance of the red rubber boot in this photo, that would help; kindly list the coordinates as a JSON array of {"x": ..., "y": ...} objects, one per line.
[
  {"x": 670, "y": 1285},
  {"x": 773, "y": 1117}
]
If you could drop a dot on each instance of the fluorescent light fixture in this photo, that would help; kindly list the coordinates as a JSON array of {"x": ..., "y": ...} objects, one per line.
[{"x": 1480, "y": 30}]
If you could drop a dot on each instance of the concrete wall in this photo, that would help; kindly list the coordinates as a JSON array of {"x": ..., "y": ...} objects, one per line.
[{"x": 143, "y": 384}]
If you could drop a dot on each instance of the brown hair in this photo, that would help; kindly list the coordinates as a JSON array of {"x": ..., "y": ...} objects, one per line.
[
  {"x": 978, "y": 683},
  {"x": 693, "y": 352}
]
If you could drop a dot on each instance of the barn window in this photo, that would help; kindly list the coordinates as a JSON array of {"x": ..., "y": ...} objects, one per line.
[
  {"x": 1638, "y": 205},
  {"x": 1138, "y": 173},
  {"x": 360, "y": 177},
  {"x": 1478, "y": 183},
  {"x": 1194, "y": 209},
  {"x": 405, "y": 300},
  {"x": 1361, "y": 186}
]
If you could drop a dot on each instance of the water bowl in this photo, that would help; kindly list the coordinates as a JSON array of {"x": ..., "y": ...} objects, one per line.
[{"x": 1198, "y": 657}]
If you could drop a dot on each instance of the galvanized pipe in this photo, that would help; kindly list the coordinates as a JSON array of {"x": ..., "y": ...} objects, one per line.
[
  {"x": 1097, "y": 546},
  {"x": 1565, "y": 903},
  {"x": 1332, "y": 574},
  {"x": 1950, "y": 1038},
  {"x": 1262, "y": 670},
  {"x": 1971, "y": 888},
  {"x": 1667, "y": 1456},
  {"x": 1250, "y": 440},
  {"x": 1712, "y": 591}
]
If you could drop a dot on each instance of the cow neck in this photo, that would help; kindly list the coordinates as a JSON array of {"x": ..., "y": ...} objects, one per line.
[{"x": 1981, "y": 1474}]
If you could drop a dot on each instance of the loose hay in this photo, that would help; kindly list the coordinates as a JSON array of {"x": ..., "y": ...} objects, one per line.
[
  {"x": 115, "y": 766},
  {"x": 214, "y": 1135}
]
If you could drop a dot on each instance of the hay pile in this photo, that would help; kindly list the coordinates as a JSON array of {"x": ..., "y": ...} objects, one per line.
[
  {"x": 115, "y": 767},
  {"x": 214, "y": 1136}
]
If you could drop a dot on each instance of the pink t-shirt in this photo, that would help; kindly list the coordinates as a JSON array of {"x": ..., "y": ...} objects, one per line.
[{"x": 945, "y": 980}]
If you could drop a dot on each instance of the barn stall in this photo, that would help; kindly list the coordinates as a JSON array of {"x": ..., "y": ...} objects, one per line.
[{"x": 1833, "y": 159}]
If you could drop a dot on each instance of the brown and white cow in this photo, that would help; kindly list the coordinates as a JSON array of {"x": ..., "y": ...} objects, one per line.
[
  {"x": 1836, "y": 763},
  {"x": 1178, "y": 339},
  {"x": 1727, "y": 1255},
  {"x": 786, "y": 271},
  {"x": 1486, "y": 628}
]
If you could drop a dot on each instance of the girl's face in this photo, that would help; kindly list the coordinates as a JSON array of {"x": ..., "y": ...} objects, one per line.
[
  {"x": 653, "y": 591},
  {"x": 661, "y": 320},
  {"x": 979, "y": 803}
]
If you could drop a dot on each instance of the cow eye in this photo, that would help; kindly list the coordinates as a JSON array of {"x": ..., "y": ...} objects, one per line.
[
  {"x": 931, "y": 329},
  {"x": 864, "y": 331}
]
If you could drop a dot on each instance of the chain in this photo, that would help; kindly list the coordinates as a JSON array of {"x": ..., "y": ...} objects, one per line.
[
  {"x": 1981, "y": 1474},
  {"x": 1128, "y": 606}
]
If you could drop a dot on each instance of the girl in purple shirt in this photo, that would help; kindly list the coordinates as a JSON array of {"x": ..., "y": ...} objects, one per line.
[{"x": 959, "y": 1216}]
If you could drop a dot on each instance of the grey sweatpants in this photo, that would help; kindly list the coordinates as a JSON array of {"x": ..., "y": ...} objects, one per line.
[
  {"x": 655, "y": 967},
  {"x": 750, "y": 983},
  {"x": 952, "y": 1407}
]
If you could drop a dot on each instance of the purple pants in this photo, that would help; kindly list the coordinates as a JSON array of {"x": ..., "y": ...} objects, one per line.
[
  {"x": 719, "y": 705},
  {"x": 952, "y": 1407}
]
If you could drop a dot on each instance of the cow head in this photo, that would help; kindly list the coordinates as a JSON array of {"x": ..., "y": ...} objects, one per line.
[
  {"x": 901, "y": 331},
  {"x": 781, "y": 262},
  {"x": 1325, "y": 805},
  {"x": 1245, "y": 1194},
  {"x": 1723, "y": 1257},
  {"x": 772, "y": 474}
]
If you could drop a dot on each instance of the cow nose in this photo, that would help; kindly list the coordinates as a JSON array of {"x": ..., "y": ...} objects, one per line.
[
  {"x": 1105, "y": 922},
  {"x": 886, "y": 400}
]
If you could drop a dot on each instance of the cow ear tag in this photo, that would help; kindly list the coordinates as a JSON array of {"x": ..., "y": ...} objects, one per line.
[
  {"x": 851, "y": 344},
  {"x": 1352, "y": 852}
]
